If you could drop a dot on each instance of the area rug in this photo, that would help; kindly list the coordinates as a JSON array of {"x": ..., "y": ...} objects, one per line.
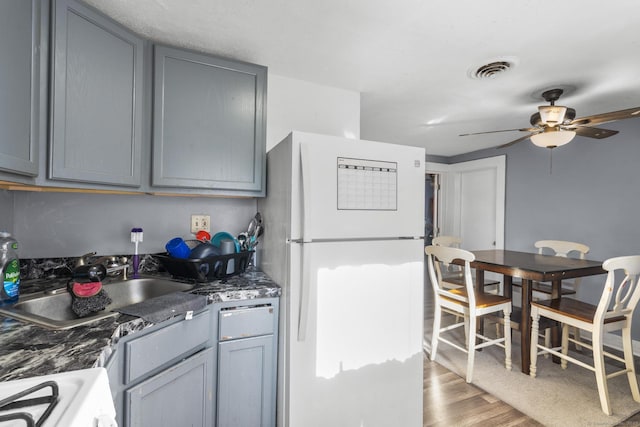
[{"x": 556, "y": 397}]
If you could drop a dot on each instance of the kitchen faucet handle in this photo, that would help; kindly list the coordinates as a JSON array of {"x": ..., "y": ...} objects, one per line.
[
  {"x": 82, "y": 260},
  {"x": 114, "y": 271}
]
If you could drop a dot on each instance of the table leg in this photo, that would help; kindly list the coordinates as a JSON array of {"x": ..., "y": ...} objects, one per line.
[
  {"x": 525, "y": 326},
  {"x": 480, "y": 289},
  {"x": 555, "y": 288},
  {"x": 507, "y": 286},
  {"x": 480, "y": 280}
]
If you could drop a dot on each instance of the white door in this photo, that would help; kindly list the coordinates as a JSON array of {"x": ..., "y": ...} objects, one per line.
[{"x": 472, "y": 198}]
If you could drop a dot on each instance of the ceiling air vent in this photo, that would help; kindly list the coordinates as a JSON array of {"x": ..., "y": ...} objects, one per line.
[{"x": 492, "y": 69}]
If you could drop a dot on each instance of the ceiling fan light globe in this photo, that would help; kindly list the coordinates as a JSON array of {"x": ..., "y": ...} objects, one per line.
[
  {"x": 552, "y": 115},
  {"x": 552, "y": 138}
]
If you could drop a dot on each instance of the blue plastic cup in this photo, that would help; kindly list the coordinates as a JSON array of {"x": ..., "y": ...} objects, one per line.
[{"x": 178, "y": 248}]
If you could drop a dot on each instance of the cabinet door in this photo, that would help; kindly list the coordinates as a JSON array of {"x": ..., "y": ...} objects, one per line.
[
  {"x": 179, "y": 396},
  {"x": 96, "y": 100},
  {"x": 246, "y": 382},
  {"x": 20, "y": 85},
  {"x": 209, "y": 120}
]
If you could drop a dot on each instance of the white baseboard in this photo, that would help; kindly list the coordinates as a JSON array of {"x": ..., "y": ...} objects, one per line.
[{"x": 615, "y": 342}]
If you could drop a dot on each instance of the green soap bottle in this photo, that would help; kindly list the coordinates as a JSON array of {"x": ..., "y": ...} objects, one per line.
[{"x": 9, "y": 269}]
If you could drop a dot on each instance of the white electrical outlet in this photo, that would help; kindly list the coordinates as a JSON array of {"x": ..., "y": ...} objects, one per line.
[{"x": 200, "y": 222}]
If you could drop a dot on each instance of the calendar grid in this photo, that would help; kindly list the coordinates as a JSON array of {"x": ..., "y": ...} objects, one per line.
[{"x": 367, "y": 184}]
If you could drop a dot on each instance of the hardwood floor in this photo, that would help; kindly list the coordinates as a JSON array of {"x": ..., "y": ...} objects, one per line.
[{"x": 449, "y": 401}]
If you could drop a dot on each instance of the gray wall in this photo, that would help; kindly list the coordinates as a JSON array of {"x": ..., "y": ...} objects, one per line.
[
  {"x": 6, "y": 211},
  {"x": 69, "y": 224},
  {"x": 592, "y": 196}
]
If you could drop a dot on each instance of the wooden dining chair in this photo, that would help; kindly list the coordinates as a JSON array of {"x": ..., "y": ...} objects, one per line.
[
  {"x": 543, "y": 290},
  {"x": 598, "y": 320},
  {"x": 468, "y": 304},
  {"x": 562, "y": 248},
  {"x": 452, "y": 276}
]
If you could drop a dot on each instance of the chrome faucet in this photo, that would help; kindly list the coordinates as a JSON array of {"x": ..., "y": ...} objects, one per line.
[{"x": 113, "y": 264}]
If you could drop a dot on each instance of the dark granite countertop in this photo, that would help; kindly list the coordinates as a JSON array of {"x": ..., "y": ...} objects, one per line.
[{"x": 27, "y": 350}]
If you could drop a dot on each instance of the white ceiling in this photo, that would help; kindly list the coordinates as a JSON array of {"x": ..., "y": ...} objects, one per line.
[{"x": 410, "y": 59}]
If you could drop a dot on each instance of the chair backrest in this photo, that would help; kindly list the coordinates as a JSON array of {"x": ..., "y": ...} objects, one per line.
[
  {"x": 450, "y": 241},
  {"x": 562, "y": 248},
  {"x": 443, "y": 255},
  {"x": 627, "y": 292}
]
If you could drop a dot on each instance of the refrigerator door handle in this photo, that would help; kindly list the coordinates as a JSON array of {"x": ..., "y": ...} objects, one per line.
[
  {"x": 305, "y": 173},
  {"x": 305, "y": 285}
]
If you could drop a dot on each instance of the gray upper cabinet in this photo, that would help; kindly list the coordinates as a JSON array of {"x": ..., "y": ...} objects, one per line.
[
  {"x": 96, "y": 98},
  {"x": 209, "y": 123},
  {"x": 20, "y": 86}
]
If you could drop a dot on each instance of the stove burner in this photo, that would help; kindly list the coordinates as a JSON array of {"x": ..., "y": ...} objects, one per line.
[{"x": 12, "y": 402}]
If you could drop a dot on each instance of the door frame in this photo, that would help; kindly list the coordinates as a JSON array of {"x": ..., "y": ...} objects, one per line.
[{"x": 450, "y": 194}]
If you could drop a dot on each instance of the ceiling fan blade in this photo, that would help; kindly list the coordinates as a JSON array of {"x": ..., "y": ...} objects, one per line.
[
  {"x": 596, "y": 133},
  {"x": 496, "y": 131},
  {"x": 515, "y": 141},
  {"x": 612, "y": 116}
]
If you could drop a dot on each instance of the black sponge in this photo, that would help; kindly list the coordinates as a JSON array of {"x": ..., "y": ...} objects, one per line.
[{"x": 87, "y": 298}]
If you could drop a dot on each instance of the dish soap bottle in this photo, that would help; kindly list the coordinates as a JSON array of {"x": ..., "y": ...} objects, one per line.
[{"x": 9, "y": 269}]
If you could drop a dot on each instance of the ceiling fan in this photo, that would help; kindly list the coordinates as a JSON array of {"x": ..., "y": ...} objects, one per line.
[{"x": 555, "y": 125}]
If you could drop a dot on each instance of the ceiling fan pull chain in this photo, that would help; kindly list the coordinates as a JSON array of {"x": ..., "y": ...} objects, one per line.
[{"x": 550, "y": 161}]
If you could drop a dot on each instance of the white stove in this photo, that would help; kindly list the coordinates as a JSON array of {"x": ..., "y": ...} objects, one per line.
[{"x": 71, "y": 399}]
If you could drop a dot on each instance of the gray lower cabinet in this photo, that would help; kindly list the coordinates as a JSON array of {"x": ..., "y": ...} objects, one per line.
[
  {"x": 217, "y": 369},
  {"x": 178, "y": 396},
  {"x": 164, "y": 376},
  {"x": 247, "y": 364},
  {"x": 23, "y": 61},
  {"x": 209, "y": 122},
  {"x": 96, "y": 109},
  {"x": 245, "y": 382}
]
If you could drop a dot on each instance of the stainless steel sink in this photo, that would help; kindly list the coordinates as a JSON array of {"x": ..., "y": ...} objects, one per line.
[{"x": 53, "y": 311}]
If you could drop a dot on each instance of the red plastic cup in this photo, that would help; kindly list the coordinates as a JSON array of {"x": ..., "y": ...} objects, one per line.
[{"x": 203, "y": 236}]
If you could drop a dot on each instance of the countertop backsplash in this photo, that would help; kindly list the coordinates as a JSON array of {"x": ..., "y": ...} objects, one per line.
[{"x": 55, "y": 268}]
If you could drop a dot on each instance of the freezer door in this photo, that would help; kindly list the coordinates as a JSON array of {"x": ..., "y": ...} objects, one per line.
[
  {"x": 355, "y": 335},
  {"x": 359, "y": 189}
]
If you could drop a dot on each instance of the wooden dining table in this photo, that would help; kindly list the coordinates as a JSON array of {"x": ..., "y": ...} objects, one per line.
[{"x": 530, "y": 267}]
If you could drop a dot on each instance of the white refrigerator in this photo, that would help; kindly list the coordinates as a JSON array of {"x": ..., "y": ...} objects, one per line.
[{"x": 344, "y": 223}]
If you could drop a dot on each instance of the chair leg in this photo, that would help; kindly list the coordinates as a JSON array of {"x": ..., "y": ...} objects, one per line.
[
  {"x": 576, "y": 335},
  {"x": 565, "y": 345},
  {"x": 601, "y": 375},
  {"x": 471, "y": 347},
  {"x": 435, "y": 335},
  {"x": 507, "y": 338},
  {"x": 535, "y": 325},
  {"x": 547, "y": 341},
  {"x": 629, "y": 365},
  {"x": 468, "y": 331}
]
